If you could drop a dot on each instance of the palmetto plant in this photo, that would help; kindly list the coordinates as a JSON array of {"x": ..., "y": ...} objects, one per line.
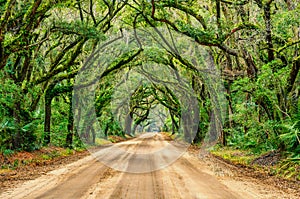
[{"x": 291, "y": 139}]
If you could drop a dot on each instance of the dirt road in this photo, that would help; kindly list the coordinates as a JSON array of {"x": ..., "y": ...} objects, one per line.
[{"x": 125, "y": 175}]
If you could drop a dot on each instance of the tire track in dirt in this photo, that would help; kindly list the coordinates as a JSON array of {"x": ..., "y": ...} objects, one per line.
[
  {"x": 70, "y": 188},
  {"x": 45, "y": 182},
  {"x": 100, "y": 189},
  {"x": 201, "y": 184},
  {"x": 135, "y": 185}
]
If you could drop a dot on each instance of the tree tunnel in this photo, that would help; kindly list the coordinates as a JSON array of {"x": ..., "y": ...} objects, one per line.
[{"x": 124, "y": 81}]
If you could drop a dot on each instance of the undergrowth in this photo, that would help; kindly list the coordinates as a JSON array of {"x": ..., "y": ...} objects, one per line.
[{"x": 286, "y": 167}]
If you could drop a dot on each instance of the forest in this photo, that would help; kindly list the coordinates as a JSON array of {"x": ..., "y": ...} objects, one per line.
[{"x": 215, "y": 72}]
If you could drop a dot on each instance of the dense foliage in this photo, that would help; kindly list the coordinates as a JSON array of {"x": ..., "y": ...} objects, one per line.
[{"x": 254, "y": 45}]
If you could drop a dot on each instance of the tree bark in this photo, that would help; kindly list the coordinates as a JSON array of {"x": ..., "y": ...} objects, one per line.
[
  {"x": 47, "y": 121},
  {"x": 267, "y": 13},
  {"x": 128, "y": 123},
  {"x": 69, "y": 138},
  {"x": 293, "y": 75}
]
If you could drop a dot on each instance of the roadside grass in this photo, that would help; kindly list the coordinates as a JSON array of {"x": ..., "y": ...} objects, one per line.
[
  {"x": 235, "y": 156},
  {"x": 102, "y": 141},
  {"x": 283, "y": 167},
  {"x": 115, "y": 138},
  {"x": 289, "y": 169}
]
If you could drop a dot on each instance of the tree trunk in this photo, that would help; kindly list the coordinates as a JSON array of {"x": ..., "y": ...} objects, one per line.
[
  {"x": 128, "y": 124},
  {"x": 186, "y": 126},
  {"x": 69, "y": 139},
  {"x": 106, "y": 130},
  {"x": 93, "y": 135},
  {"x": 47, "y": 122},
  {"x": 17, "y": 137},
  {"x": 293, "y": 75},
  {"x": 268, "y": 23},
  {"x": 175, "y": 126}
]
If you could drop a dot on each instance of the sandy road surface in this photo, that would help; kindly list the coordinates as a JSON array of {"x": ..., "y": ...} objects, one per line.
[{"x": 125, "y": 175}]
